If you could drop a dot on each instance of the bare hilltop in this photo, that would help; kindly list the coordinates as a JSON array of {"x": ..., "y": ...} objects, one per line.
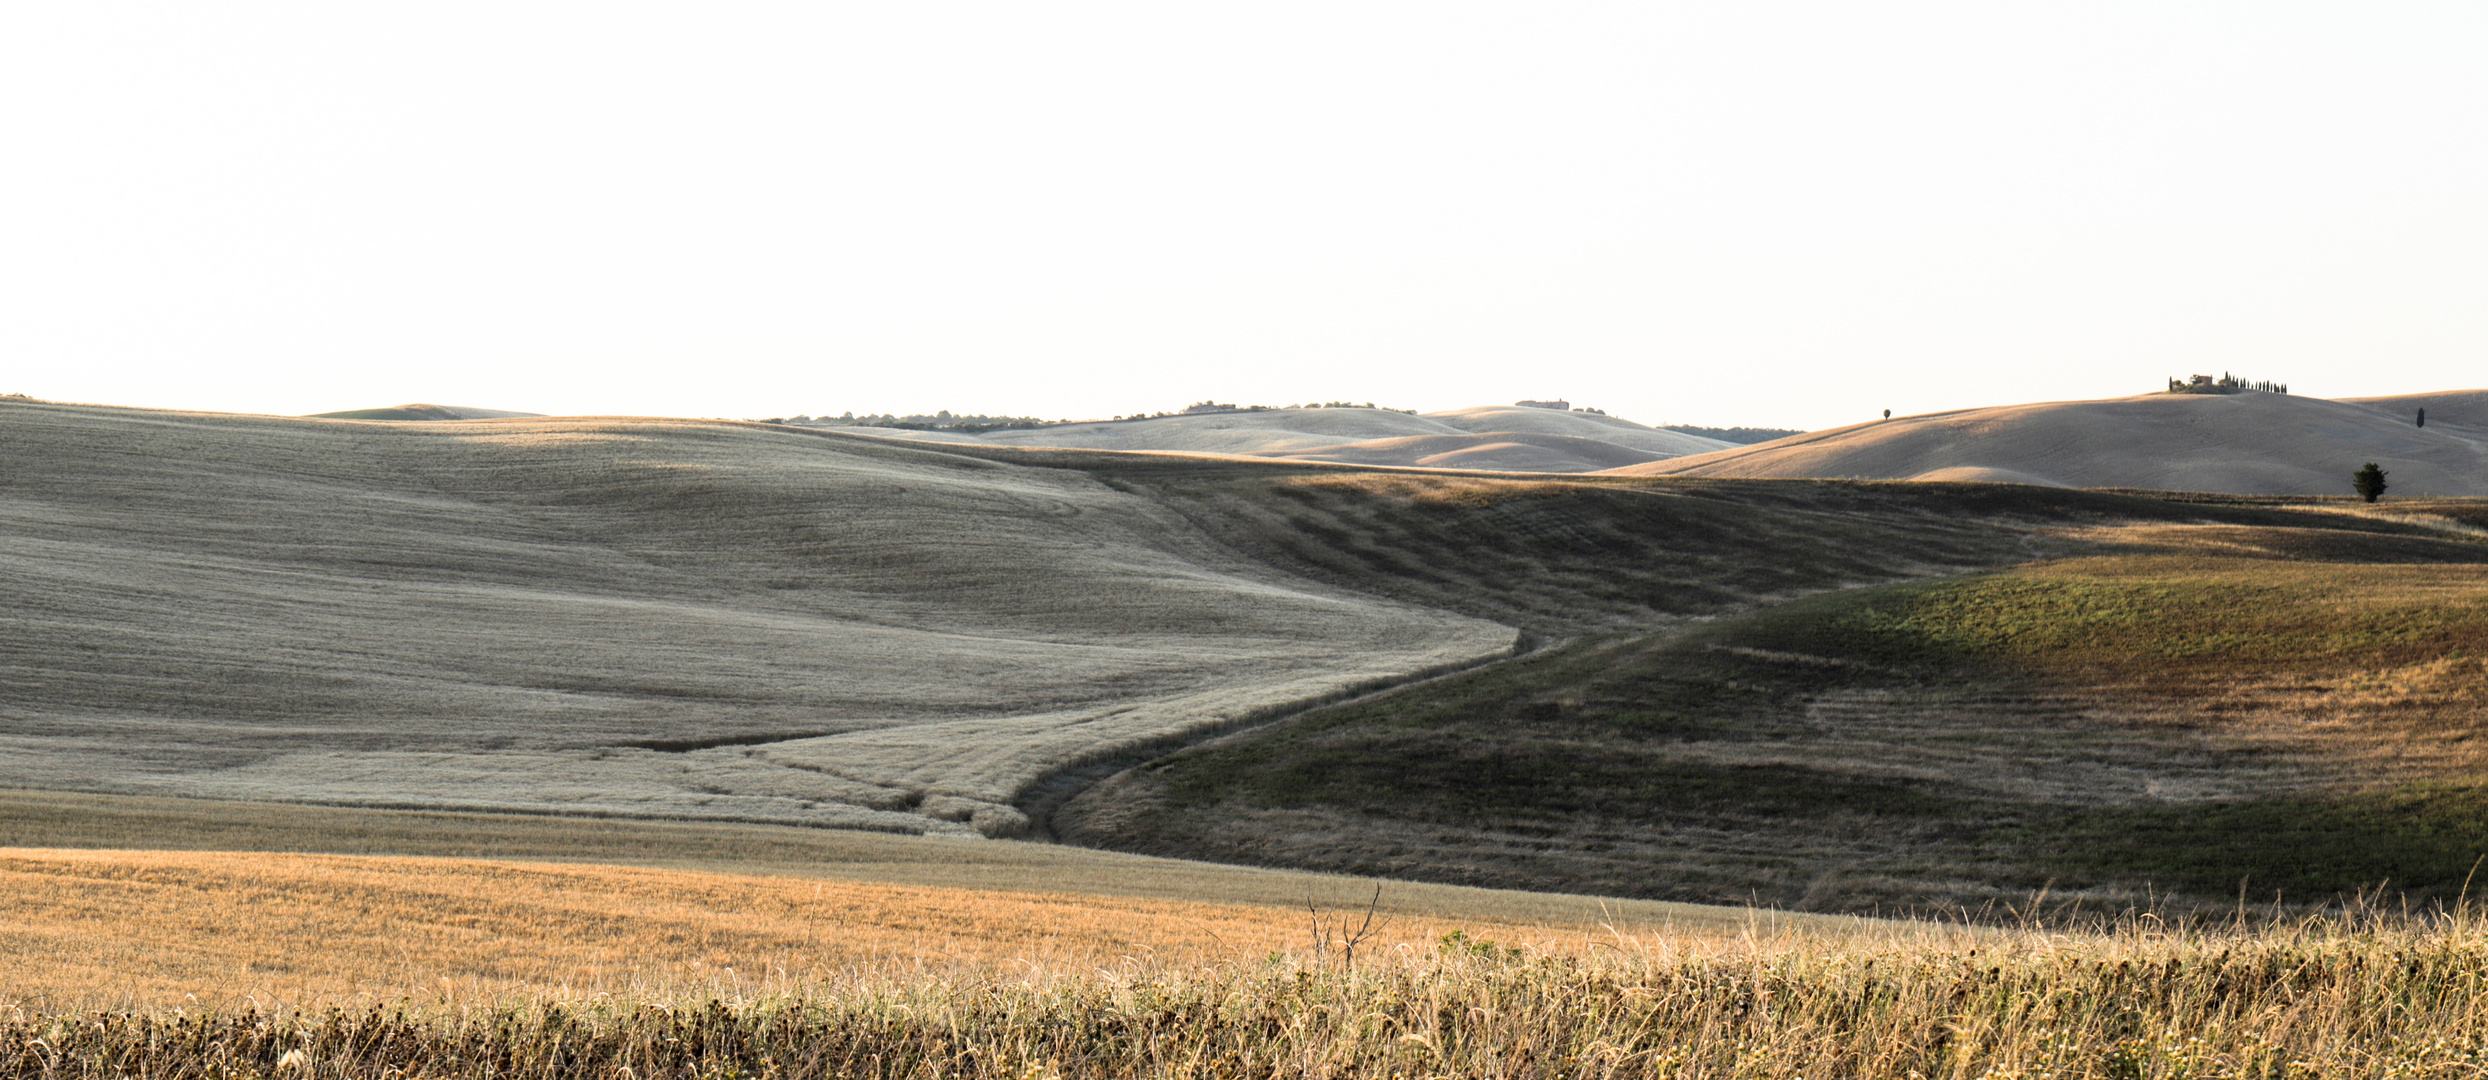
[{"x": 2247, "y": 444}]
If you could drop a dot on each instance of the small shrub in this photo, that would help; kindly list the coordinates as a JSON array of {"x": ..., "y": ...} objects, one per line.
[{"x": 2369, "y": 481}]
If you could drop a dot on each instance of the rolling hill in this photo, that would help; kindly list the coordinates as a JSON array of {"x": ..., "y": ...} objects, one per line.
[
  {"x": 697, "y": 619},
  {"x": 1822, "y": 694},
  {"x": 2249, "y": 444},
  {"x": 717, "y": 620},
  {"x": 2285, "y": 701},
  {"x": 624, "y": 617}
]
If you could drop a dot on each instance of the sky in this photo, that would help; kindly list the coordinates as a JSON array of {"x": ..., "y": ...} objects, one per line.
[{"x": 1775, "y": 214}]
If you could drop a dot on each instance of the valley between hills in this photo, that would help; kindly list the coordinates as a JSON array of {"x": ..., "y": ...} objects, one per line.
[{"x": 1812, "y": 694}]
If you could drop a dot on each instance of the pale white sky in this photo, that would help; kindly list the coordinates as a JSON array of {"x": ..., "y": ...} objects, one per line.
[{"x": 1726, "y": 213}]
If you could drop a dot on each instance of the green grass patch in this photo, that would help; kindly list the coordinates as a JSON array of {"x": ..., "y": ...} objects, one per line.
[
  {"x": 2420, "y": 839},
  {"x": 2178, "y": 615}
]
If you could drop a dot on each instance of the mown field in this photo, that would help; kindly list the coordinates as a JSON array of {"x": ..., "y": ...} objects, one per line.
[{"x": 625, "y": 617}]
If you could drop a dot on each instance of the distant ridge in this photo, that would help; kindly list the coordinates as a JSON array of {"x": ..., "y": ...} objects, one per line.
[
  {"x": 1495, "y": 438},
  {"x": 2239, "y": 444},
  {"x": 1502, "y": 451},
  {"x": 422, "y": 411}
]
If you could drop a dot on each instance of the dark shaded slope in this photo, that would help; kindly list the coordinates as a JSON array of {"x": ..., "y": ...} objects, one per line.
[
  {"x": 2291, "y": 699},
  {"x": 1567, "y": 556}
]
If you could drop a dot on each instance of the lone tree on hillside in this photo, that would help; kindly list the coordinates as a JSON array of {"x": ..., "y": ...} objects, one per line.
[
  {"x": 2423, "y": 418},
  {"x": 2369, "y": 481}
]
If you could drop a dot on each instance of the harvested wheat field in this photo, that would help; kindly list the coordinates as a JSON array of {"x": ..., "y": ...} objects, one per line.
[
  {"x": 224, "y": 929},
  {"x": 37, "y": 819},
  {"x": 1179, "y": 993}
]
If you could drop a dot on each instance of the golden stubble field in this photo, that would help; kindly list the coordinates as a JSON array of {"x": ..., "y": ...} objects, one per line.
[
  {"x": 161, "y": 928},
  {"x": 112, "y": 900},
  {"x": 225, "y": 930},
  {"x": 204, "y": 964}
]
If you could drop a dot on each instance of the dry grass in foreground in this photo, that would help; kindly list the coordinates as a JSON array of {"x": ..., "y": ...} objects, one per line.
[
  {"x": 2336, "y": 998},
  {"x": 42, "y": 819},
  {"x": 83, "y": 929}
]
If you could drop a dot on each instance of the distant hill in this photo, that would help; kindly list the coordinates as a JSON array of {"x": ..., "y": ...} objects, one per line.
[
  {"x": 1494, "y": 438},
  {"x": 1501, "y": 451},
  {"x": 2246, "y": 444},
  {"x": 1741, "y": 436},
  {"x": 421, "y": 411},
  {"x": 1579, "y": 425},
  {"x": 2460, "y": 408}
]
